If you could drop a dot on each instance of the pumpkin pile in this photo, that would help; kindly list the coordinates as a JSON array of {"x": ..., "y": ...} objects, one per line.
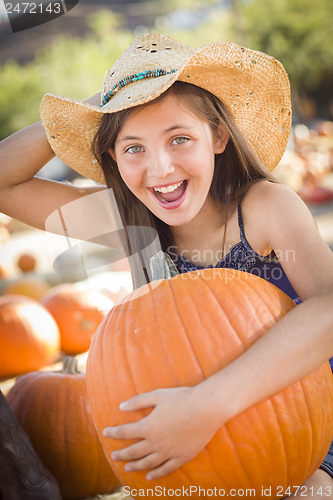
[
  {"x": 180, "y": 331},
  {"x": 53, "y": 409}
]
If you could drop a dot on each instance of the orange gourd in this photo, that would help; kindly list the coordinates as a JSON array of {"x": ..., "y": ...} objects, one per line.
[
  {"x": 78, "y": 313},
  {"x": 29, "y": 336},
  {"x": 53, "y": 409},
  {"x": 180, "y": 331}
]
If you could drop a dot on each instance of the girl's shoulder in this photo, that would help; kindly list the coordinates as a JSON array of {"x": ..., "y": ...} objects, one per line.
[
  {"x": 265, "y": 198},
  {"x": 269, "y": 208}
]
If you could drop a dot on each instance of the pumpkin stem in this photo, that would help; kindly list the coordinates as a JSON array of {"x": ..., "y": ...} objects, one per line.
[{"x": 69, "y": 365}]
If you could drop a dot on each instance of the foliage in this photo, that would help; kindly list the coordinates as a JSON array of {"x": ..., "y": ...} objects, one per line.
[{"x": 297, "y": 32}]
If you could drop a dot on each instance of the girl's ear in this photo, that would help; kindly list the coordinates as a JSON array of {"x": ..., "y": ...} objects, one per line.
[
  {"x": 112, "y": 154},
  {"x": 222, "y": 137}
]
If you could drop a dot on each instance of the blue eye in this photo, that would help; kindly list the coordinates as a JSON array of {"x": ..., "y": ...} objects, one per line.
[
  {"x": 180, "y": 140},
  {"x": 134, "y": 149}
]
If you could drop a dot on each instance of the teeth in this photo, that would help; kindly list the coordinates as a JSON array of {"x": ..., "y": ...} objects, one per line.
[{"x": 168, "y": 189}]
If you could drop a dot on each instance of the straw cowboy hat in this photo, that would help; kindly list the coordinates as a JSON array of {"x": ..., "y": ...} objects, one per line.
[{"x": 253, "y": 86}]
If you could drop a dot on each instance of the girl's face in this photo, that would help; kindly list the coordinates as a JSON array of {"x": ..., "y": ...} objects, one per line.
[{"x": 165, "y": 155}]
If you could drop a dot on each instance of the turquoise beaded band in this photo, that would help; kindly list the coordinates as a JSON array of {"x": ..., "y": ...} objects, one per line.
[{"x": 153, "y": 73}]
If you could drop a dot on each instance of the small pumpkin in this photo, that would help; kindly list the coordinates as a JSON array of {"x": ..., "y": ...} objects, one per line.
[
  {"x": 29, "y": 336},
  {"x": 33, "y": 286},
  {"x": 78, "y": 313},
  {"x": 53, "y": 409},
  {"x": 26, "y": 262},
  {"x": 178, "y": 332}
]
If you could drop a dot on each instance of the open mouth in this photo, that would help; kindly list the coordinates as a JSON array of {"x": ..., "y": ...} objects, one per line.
[{"x": 171, "y": 196}]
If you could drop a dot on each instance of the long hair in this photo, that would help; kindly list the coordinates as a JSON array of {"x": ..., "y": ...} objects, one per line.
[{"x": 236, "y": 169}]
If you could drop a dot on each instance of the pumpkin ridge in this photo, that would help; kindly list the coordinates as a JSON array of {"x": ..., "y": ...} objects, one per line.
[
  {"x": 199, "y": 311},
  {"x": 180, "y": 314},
  {"x": 117, "y": 353},
  {"x": 246, "y": 295},
  {"x": 284, "y": 300},
  {"x": 164, "y": 340},
  {"x": 168, "y": 287},
  {"x": 300, "y": 414},
  {"x": 202, "y": 317},
  {"x": 61, "y": 422},
  {"x": 107, "y": 394},
  {"x": 311, "y": 457},
  {"x": 300, "y": 384},
  {"x": 268, "y": 403},
  {"x": 128, "y": 333},
  {"x": 227, "y": 297},
  {"x": 280, "y": 435},
  {"x": 100, "y": 332},
  {"x": 90, "y": 473},
  {"x": 221, "y": 301},
  {"x": 234, "y": 447},
  {"x": 121, "y": 353},
  {"x": 17, "y": 404}
]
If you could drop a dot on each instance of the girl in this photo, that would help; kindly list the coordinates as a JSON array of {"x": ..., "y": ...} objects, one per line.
[{"x": 186, "y": 139}]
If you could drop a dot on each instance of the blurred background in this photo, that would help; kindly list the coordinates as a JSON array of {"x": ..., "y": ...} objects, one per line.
[{"x": 69, "y": 56}]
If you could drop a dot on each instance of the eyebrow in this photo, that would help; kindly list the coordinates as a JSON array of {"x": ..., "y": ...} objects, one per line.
[{"x": 170, "y": 129}]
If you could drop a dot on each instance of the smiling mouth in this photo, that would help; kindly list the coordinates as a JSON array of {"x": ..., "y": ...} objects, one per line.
[{"x": 171, "y": 193}]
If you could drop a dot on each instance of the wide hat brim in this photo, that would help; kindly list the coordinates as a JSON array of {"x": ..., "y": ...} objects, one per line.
[{"x": 253, "y": 86}]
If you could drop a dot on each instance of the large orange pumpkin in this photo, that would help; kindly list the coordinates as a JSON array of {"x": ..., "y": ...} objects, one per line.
[
  {"x": 78, "y": 313},
  {"x": 180, "y": 331},
  {"x": 53, "y": 409},
  {"x": 29, "y": 336}
]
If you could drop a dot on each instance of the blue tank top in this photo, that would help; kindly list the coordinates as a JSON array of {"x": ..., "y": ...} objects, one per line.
[{"x": 243, "y": 258}]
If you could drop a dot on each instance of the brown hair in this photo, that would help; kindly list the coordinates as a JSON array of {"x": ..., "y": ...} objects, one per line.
[{"x": 236, "y": 169}]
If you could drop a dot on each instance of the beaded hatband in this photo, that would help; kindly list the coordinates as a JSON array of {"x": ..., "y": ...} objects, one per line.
[{"x": 153, "y": 73}]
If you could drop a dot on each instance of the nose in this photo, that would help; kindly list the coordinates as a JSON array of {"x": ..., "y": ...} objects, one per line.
[{"x": 160, "y": 166}]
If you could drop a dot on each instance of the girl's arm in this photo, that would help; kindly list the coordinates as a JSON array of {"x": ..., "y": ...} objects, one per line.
[
  {"x": 299, "y": 343},
  {"x": 22, "y": 195}
]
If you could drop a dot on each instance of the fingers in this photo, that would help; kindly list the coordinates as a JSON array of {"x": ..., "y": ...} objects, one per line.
[
  {"x": 148, "y": 462},
  {"x": 139, "y": 457},
  {"x": 135, "y": 451},
  {"x": 155, "y": 461},
  {"x": 164, "y": 469},
  {"x": 145, "y": 400},
  {"x": 125, "y": 431}
]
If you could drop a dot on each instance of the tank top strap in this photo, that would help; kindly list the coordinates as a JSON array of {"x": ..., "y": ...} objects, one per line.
[{"x": 240, "y": 223}]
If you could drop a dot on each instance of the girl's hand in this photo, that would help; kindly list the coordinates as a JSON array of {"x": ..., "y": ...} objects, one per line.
[{"x": 177, "y": 429}]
